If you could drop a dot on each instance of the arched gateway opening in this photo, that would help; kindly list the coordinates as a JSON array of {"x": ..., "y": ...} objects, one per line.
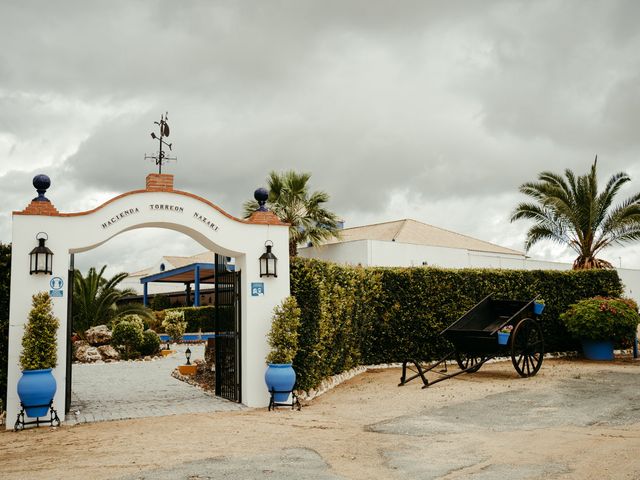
[{"x": 159, "y": 205}]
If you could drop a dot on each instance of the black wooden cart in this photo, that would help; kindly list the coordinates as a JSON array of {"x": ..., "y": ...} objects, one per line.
[{"x": 475, "y": 340}]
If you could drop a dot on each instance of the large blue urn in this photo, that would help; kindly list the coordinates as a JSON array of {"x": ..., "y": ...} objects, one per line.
[
  {"x": 280, "y": 377},
  {"x": 36, "y": 389},
  {"x": 597, "y": 349}
]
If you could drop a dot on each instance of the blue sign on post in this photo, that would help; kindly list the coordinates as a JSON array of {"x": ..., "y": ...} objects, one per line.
[
  {"x": 257, "y": 289},
  {"x": 56, "y": 284}
]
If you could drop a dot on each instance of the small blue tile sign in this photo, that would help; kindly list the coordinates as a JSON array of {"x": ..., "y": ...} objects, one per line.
[
  {"x": 56, "y": 293},
  {"x": 56, "y": 283},
  {"x": 257, "y": 289}
]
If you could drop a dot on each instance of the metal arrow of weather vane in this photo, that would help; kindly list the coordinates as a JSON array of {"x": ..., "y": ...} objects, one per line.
[{"x": 161, "y": 158}]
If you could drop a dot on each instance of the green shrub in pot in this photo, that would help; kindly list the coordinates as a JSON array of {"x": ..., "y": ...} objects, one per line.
[{"x": 602, "y": 318}]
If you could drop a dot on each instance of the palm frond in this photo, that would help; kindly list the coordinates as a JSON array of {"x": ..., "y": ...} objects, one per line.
[
  {"x": 570, "y": 210},
  {"x": 304, "y": 211}
]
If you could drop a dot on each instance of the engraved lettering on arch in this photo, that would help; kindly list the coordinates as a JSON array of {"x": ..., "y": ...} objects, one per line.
[
  {"x": 120, "y": 216},
  {"x": 206, "y": 221}
]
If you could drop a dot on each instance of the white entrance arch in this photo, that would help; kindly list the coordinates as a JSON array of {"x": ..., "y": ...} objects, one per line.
[{"x": 158, "y": 205}]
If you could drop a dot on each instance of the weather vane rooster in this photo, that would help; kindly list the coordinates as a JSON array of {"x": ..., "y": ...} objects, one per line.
[{"x": 161, "y": 158}]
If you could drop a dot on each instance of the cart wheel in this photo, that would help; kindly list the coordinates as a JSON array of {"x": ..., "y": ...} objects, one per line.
[
  {"x": 466, "y": 361},
  {"x": 527, "y": 347}
]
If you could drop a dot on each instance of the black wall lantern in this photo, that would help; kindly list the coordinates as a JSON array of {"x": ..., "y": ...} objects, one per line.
[
  {"x": 187, "y": 354},
  {"x": 268, "y": 262},
  {"x": 41, "y": 258}
]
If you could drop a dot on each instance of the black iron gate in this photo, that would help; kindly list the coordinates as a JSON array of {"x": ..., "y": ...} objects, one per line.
[
  {"x": 67, "y": 404},
  {"x": 228, "y": 315}
]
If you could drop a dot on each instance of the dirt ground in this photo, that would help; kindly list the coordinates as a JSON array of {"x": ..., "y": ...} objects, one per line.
[{"x": 575, "y": 419}]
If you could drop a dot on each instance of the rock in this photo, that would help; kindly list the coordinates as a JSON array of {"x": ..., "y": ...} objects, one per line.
[
  {"x": 87, "y": 354},
  {"x": 98, "y": 335},
  {"x": 108, "y": 353}
]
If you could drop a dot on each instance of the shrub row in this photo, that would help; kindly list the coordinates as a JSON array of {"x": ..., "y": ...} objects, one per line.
[
  {"x": 353, "y": 315},
  {"x": 199, "y": 318}
]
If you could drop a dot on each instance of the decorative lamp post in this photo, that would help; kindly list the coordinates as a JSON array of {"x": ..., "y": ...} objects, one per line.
[
  {"x": 268, "y": 262},
  {"x": 188, "y": 355},
  {"x": 41, "y": 258}
]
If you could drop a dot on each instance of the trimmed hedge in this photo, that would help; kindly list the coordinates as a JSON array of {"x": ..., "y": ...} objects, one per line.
[
  {"x": 353, "y": 315},
  {"x": 200, "y": 318}
]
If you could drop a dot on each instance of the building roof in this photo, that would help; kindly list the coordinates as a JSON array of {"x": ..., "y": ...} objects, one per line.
[
  {"x": 418, "y": 233},
  {"x": 204, "y": 257},
  {"x": 185, "y": 274},
  {"x": 177, "y": 262}
]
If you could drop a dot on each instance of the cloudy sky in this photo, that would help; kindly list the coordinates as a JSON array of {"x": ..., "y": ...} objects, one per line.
[{"x": 429, "y": 110}]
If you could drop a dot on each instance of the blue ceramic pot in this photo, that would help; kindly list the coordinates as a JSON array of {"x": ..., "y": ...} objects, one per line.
[
  {"x": 280, "y": 377},
  {"x": 36, "y": 387},
  {"x": 503, "y": 338},
  {"x": 597, "y": 349},
  {"x": 538, "y": 308}
]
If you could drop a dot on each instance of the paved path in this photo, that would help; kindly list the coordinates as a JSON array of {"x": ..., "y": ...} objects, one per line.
[{"x": 121, "y": 390}]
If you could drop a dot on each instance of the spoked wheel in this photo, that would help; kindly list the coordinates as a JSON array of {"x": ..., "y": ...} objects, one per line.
[
  {"x": 467, "y": 361},
  {"x": 527, "y": 347}
]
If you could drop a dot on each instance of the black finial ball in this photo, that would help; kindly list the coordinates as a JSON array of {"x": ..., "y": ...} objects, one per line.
[
  {"x": 261, "y": 195},
  {"x": 41, "y": 182}
]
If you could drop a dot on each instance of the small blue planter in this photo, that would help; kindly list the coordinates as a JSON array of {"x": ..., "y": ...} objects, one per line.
[
  {"x": 597, "y": 349},
  {"x": 503, "y": 338},
  {"x": 280, "y": 377},
  {"x": 538, "y": 308},
  {"x": 36, "y": 389}
]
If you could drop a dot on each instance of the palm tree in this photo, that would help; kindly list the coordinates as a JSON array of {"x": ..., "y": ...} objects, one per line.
[
  {"x": 571, "y": 211},
  {"x": 290, "y": 200},
  {"x": 95, "y": 299}
]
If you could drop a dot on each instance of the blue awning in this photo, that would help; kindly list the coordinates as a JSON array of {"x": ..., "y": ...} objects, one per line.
[{"x": 195, "y": 273}]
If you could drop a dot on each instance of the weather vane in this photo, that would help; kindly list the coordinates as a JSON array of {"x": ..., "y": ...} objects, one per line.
[{"x": 161, "y": 158}]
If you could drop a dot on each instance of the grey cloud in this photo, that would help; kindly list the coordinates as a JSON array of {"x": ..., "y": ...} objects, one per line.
[{"x": 450, "y": 102}]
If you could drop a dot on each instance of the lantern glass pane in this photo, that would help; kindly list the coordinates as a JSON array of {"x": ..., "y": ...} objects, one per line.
[{"x": 41, "y": 262}]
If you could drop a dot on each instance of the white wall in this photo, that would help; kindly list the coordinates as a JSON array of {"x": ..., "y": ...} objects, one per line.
[
  {"x": 394, "y": 254},
  {"x": 631, "y": 280},
  {"x": 348, "y": 253},
  {"x": 154, "y": 287},
  {"x": 81, "y": 232}
]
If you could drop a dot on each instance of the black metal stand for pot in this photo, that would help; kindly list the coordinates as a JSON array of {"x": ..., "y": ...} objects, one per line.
[
  {"x": 295, "y": 403},
  {"x": 54, "y": 421}
]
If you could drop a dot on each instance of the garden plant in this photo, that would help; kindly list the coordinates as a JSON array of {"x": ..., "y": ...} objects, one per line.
[
  {"x": 174, "y": 325},
  {"x": 601, "y": 318},
  {"x": 39, "y": 342},
  {"x": 283, "y": 336},
  {"x": 98, "y": 300},
  {"x": 128, "y": 335}
]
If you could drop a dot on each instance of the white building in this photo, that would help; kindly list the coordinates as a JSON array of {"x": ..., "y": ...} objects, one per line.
[
  {"x": 409, "y": 243},
  {"x": 166, "y": 263}
]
